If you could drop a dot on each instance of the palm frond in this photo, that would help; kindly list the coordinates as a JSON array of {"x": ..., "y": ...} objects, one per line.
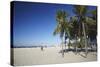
[{"x": 90, "y": 21}]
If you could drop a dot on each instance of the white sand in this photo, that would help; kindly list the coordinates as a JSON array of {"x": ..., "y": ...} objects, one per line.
[{"x": 51, "y": 55}]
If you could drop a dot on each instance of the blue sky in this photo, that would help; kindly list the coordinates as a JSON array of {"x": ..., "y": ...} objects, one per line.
[{"x": 35, "y": 22}]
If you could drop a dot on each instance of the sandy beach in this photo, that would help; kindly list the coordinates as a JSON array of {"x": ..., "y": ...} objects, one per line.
[{"x": 50, "y": 55}]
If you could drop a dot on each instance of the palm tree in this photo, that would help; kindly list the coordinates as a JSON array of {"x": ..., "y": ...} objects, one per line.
[
  {"x": 94, "y": 14},
  {"x": 67, "y": 33},
  {"x": 60, "y": 28},
  {"x": 81, "y": 13},
  {"x": 92, "y": 27},
  {"x": 74, "y": 28},
  {"x": 94, "y": 17}
]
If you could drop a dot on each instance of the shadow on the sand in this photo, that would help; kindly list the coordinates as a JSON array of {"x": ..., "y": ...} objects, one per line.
[
  {"x": 84, "y": 56},
  {"x": 78, "y": 50}
]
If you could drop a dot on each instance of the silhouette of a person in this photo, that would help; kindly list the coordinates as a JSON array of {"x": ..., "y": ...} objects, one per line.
[{"x": 42, "y": 48}]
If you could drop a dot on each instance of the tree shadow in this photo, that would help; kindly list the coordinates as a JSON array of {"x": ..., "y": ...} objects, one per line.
[
  {"x": 84, "y": 56},
  {"x": 78, "y": 51}
]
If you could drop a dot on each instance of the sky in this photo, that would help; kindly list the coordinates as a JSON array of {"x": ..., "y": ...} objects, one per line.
[{"x": 34, "y": 23}]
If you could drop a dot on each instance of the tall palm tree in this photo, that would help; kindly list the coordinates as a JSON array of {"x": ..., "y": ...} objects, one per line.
[
  {"x": 94, "y": 16},
  {"x": 67, "y": 33},
  {"x": 81, "y": 12},
  {"x": 92, "y": 27},
  {"x": 74, "y": 28},
  {"x": 60, "y": 28}
]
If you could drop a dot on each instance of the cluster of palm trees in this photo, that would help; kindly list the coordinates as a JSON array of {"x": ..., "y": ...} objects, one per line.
[{"x": 81, "y": 26}]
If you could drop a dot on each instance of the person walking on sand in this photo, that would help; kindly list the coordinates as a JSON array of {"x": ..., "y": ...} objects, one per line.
[{"x": 42, "y": 48}]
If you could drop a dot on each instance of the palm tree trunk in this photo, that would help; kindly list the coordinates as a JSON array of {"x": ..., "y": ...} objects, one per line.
[
  {"x": 69, "y": 39},
  {"x": 65, "y": 45},
  {"x": 76, "y": 44},
  {"x": 86, "y": 50},
  {"x": 65, "y": 42},
  {"x": 68, "y": 46},
  {"x": 62, "y": 48}
]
